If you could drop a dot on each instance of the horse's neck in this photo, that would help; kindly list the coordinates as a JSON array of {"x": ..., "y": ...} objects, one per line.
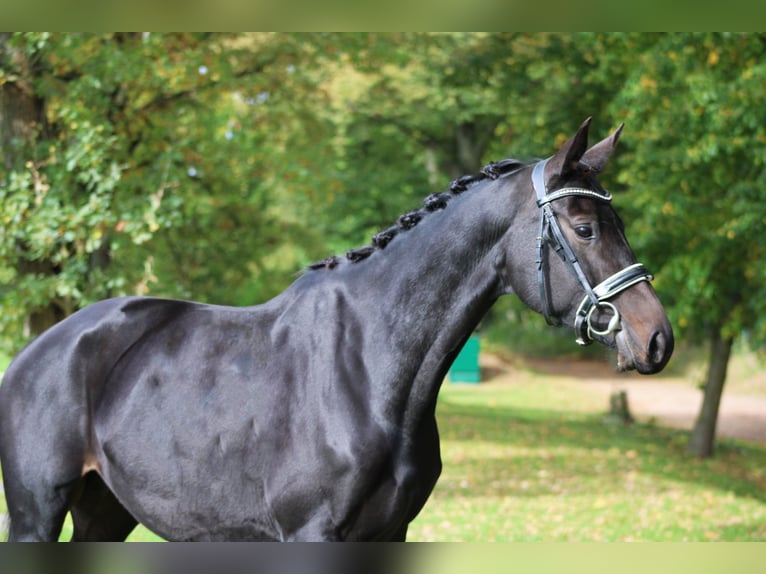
[{"x": 431, "y": 286}]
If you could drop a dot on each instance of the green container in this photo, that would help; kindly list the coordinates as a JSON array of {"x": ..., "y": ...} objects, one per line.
[{"x": 465, "y": 368}]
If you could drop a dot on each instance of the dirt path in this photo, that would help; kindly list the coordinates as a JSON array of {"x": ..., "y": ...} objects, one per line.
[{"x": 670, "y": 401}]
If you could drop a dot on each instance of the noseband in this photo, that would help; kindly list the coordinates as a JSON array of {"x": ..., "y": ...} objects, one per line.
[{"x": 596, "y": 298}]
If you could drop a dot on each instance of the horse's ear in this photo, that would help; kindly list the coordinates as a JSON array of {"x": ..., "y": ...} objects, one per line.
[
  {"x": 597, "y": 156},
  {"x": 568, "y": 157}
]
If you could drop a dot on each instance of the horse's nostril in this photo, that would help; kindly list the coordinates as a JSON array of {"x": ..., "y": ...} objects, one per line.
[{"x": 655, "y": 352}]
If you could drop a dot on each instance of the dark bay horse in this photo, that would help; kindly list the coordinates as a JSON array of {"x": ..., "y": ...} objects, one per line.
[{"x": 311, "y": 417}]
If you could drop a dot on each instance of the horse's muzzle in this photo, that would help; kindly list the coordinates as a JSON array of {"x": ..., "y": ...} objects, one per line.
[{"x": 649, "y": 360}]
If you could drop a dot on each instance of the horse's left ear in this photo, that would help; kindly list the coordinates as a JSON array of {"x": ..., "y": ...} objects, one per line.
[
  {"x": 597, "y": 156},
  {"x": 566, "y": 160}
]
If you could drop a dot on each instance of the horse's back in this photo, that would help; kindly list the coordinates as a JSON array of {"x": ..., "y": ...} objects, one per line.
[{"x": 87, "y": 341}]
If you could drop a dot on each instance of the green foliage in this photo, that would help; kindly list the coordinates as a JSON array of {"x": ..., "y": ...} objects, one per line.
[
  {"x": 160, "y": 166},
  {"x": 214, "y": 166},
  {"x": 696, "y": 163}
]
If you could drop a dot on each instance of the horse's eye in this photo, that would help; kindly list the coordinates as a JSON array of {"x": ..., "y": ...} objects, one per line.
[{"x": 584, "y": 231}]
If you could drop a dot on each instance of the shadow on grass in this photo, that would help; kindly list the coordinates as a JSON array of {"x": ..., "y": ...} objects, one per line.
[{"x": 538, "y": 452}]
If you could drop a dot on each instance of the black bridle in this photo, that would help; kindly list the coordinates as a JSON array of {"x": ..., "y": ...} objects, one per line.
[{"x": 550, "y": 234}]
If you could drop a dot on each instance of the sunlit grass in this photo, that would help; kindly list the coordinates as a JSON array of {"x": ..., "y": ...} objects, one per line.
[{"x": 513, "y": 472}]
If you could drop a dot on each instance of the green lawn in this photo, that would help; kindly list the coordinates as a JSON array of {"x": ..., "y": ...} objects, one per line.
[{"x": 533, "y": 460}]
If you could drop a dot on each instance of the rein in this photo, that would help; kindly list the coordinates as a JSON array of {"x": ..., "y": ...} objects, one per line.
[{"x": 596, "y": 298}]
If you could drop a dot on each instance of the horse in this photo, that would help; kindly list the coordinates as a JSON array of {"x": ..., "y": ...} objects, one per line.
[{"x": 311, "y": 417}]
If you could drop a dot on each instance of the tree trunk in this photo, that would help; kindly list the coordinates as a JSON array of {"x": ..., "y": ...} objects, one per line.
[
  {"x": 22, "y": 123},
  {"x": 702, "y": 442},
  {"x": 471, "y": 141},
  {"x": 22, "y": 113},
  {"x": 468, "y": 148},
  {"x": 619, "y": 410}
]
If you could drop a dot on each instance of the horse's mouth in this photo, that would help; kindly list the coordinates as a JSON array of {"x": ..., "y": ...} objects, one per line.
[
  {"x": 625, "y": 359},
  {"x": 658, "y": 353},
  {"x": 624, "y": 363}
]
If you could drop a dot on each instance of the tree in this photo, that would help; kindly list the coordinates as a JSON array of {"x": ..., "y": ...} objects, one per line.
[
  {"x": 415, "y": 110},
  {"x": 22, "y": 122},
  {"x": 131, "y": 160},
  {"x": 151, "y": 151},
  {"x": 696, "y": 162}
]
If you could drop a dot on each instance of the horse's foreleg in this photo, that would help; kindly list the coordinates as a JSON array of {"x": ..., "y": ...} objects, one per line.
[{"x": 400, "y": 535}]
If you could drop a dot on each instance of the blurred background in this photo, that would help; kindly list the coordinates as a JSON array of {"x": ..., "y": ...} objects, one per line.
[{"x": 217, "y": 166}]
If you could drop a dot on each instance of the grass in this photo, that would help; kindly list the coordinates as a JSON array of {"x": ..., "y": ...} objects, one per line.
[
  {"x": 533, "y": 460},
  {"x": 514, "y": 471}
]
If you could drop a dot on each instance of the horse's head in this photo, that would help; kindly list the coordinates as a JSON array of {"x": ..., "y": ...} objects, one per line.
[{"x": 585, "y": 273}]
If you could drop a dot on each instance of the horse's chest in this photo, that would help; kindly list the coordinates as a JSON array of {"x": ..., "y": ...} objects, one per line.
[{"x": 402, "y": 487}]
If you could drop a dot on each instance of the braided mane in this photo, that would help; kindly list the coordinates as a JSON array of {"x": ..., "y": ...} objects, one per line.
[{"x": 433, "y": 202}]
